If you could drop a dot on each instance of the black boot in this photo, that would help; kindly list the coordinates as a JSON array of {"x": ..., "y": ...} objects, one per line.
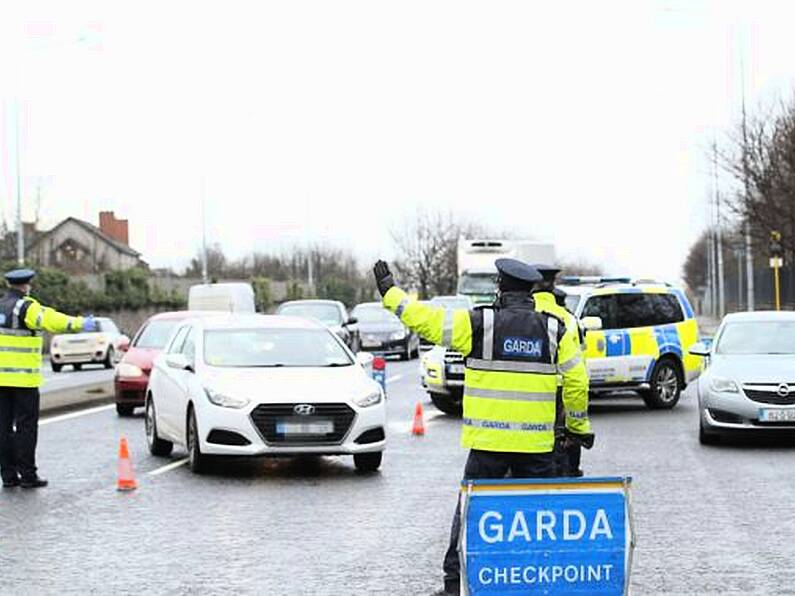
[{"x": 35, "y": 482}]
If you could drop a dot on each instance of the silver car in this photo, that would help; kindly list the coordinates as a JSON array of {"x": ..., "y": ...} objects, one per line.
[{"x": 749, "y": 383}]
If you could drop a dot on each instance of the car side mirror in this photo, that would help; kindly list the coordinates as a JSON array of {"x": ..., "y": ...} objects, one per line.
[
  {"x": 700, "y": 348},
  {"x": 124, "y": 343},
  {"x": 352, "y": 321},
  {"x": 178, "y": 362},
  {"x": 591, "y": 323}
]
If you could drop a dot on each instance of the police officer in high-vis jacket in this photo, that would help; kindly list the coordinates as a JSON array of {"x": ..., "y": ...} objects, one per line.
[
  {"x": 548, "y": 298},
  {"x": 514, "y": 354},
  {"x": 22, "y": 319}
]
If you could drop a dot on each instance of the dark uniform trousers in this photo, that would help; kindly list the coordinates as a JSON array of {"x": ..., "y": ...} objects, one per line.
[
  {"x": 19, "y": 431},
  {"x": 490, "y": 465}
]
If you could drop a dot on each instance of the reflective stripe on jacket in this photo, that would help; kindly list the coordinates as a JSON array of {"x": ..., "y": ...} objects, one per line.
[
  {"x": 573, "y": 372},
  {"x": 23, "y": 319},
  {"x": 512, "y": 361}
]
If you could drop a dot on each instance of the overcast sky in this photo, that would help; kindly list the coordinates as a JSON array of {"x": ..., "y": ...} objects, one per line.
[{"x": 585, "y": 123}]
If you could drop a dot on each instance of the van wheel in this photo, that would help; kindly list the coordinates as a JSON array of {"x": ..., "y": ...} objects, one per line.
[
  {"x": 367, "y": 462},
  {"x": 451, "y": 405},
  {"x": 55, "y": 366},
  {"x": 666, "y": 385}
]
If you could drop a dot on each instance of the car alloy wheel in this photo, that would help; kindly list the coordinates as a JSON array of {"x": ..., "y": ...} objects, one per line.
[
  {"x": 667, "y": 384},
  {"x": 157, "y": 446},
  {"x": 197, "y": 461}
]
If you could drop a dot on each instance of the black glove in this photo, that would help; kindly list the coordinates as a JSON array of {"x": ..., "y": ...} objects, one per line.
[
  {"x": 383, "y": 277},
  {"x": 585, "y": 440}
]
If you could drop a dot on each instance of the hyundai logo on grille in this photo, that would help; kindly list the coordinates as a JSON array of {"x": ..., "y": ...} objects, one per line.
[
  {"x": 783, "y": 390},
  {"x": 304, "y": 409}
]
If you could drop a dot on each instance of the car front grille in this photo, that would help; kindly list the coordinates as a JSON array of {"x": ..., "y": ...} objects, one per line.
[
  {"x": 265, "y": 417},
  {"x": 451, "y": 357},
  {"x": 768, "y": 394}
]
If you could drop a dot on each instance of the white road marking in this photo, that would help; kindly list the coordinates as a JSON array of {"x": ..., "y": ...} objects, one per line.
[
  {"x": 168, "y": 467},
  {"x": 394, "y": 378},
  {"x": 76, "y": 414}
]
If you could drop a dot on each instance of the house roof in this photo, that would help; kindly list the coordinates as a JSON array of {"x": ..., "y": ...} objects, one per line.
[{"x": 92, "y": 229}]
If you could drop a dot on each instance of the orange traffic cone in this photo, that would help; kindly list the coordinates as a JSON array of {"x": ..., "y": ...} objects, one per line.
[
  {"x": 418, "y": 426},
  {"x": 126, "y": 479}
]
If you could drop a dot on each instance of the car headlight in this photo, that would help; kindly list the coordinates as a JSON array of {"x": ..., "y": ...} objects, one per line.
[
  {"x": 720, "y": 385},
  {"x": 128, "y": 370},
  {"x": 225, "y": 401},
  {"x": 369, "y": 399},
  {"x": 398, "y": 335}
]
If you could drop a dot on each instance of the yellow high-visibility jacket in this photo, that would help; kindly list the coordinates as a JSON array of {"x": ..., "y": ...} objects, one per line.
[
  {"x": 576, "y": 420},
  {"x": 514, "y": 354},
  {"x": 23, "y": 319}
]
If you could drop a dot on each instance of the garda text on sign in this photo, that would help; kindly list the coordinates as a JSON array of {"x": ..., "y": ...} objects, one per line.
[{"x": 550, "y": 536}]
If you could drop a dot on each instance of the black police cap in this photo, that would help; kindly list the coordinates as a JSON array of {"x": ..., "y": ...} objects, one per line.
[
  {"x": 518, "y": 270},
  {"x": 548, "y": 272},
  {"x": 20, "y": 276}
]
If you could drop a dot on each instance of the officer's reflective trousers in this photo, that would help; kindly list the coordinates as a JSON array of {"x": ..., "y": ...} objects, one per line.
[
  {"x": 19, "y": 431},
  {"x": 493, "y": 464}
]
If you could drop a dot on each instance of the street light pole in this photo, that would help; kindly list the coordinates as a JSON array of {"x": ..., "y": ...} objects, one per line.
[{"x": 20, "y": 227}]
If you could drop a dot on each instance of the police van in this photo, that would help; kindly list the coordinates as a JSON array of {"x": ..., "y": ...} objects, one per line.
[{"x": 637, "y": 336}]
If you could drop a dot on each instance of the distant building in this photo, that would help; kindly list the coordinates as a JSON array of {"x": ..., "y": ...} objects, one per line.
[{"x": 77, "y": 246}]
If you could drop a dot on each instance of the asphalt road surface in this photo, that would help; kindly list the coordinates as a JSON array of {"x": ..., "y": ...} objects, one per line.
[
  {"x": 69, "y": 378},
  {"x": 710, "y": 520}
]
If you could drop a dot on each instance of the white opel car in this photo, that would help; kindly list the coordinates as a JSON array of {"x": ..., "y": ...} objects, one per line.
[{"x": 248, "y": 385}]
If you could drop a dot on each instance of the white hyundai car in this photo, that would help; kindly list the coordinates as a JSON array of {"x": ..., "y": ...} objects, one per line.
[{"x": 249, "y": 385}]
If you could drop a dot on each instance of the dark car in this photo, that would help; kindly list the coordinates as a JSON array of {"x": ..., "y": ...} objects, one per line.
[
  {"x": 132, "y": 371},
  {"x": 382, "y": 332},
  {"x": 331, "y": 313}
]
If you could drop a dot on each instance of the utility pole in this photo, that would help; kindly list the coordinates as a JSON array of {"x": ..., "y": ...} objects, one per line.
[
  {"x": 205, "y": 279},
  {"x": 20, "y": 227},
  {"x": 719, "y": 241},
  {"x": 749, "y": 255}
]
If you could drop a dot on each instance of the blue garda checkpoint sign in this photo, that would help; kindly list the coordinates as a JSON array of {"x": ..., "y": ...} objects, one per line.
[{"x": 546, "y": 536}]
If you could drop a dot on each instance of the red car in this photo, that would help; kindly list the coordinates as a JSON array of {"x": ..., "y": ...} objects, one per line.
[{"x": 132, "y": 372}]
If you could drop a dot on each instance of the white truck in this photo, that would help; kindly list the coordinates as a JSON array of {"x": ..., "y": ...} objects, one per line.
[
  {"x": 476, "y": 270},
  {"x": 223, "y": 297}
]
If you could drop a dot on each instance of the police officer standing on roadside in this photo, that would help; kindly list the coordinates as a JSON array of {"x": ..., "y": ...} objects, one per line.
[
  {"x": 514, "y": 353},
  {"x": 22, "y": 319},
  {"x": 568, "y": 445}
]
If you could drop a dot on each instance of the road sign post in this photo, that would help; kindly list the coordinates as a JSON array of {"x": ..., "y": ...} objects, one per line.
[
  {"x": 776, "y": 262},
  {"x": 553, "y": 536}
]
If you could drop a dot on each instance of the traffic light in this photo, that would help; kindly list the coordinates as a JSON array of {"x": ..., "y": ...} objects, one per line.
[{"x": 774, "y": 247}]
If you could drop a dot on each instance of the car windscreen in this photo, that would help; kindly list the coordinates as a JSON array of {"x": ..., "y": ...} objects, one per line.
[
  {"x": 273, "y": 348},
  {"x": 155, "y": 334},
  {"x": 478, "y": 284},
  {"x": 328, "y": 314},
  {"x": 572, "y": 301},
  {"x": 757, "y": 337},
  {"x": 374, "y": 314}
]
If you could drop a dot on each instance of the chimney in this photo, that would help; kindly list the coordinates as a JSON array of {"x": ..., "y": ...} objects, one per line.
[{"x": 118, "y": 229}]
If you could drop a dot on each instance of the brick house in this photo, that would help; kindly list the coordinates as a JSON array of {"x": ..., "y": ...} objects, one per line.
[{"x": 76, "y": 246}]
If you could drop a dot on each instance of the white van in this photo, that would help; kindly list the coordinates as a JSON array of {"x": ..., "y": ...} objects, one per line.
[{"x": 226, "y": 297}]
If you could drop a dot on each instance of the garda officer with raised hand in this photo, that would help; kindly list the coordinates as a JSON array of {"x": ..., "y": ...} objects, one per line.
[
  {"x": 22, "y": 319},
  {"x": 568, "y": 442},
  {"x": 514, "y": 353}
]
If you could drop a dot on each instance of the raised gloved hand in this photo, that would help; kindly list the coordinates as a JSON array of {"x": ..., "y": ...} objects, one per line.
[
  {"x": 585, "y": 440},
  {"x": 89, "y": 324},
  {"x": 383, "y": 277}
]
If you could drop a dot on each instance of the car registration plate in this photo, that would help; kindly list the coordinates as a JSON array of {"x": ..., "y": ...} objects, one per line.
[
  {"x": 370, "y": 343},
  {"x": 777, "y": 415},
  {"x": 456, "y": 369},
  {"x": 318, "y": 427}
]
